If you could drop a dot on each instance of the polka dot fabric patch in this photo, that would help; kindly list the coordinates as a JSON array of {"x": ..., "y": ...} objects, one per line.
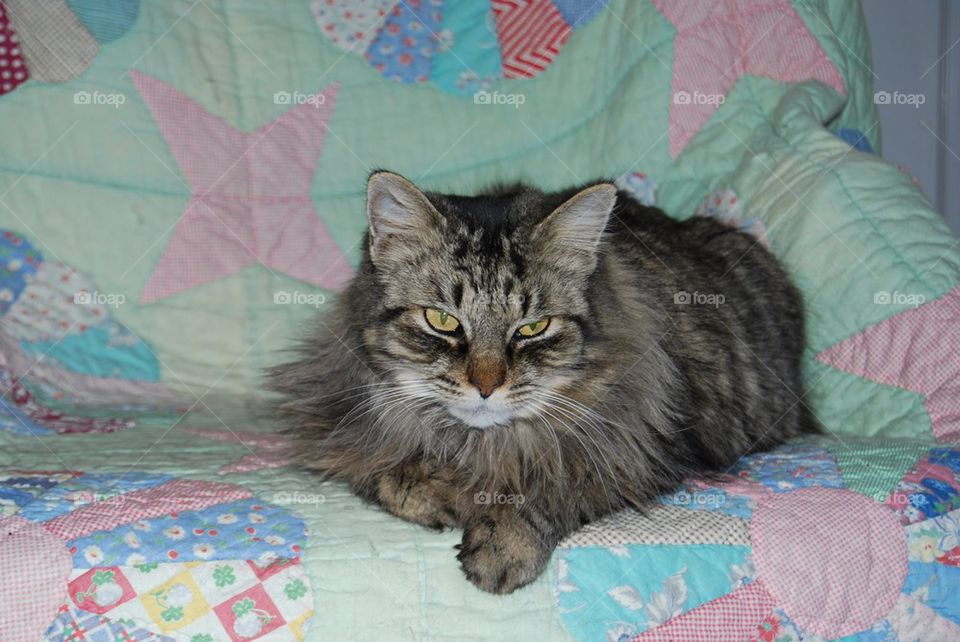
[{"x": 13, "y": 69}]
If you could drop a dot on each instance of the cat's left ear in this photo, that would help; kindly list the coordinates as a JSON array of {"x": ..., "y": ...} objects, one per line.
[{"x": 571, "y": 233}]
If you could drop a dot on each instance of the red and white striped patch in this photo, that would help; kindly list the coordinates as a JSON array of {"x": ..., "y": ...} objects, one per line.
[{"x": 531, "y": 33}]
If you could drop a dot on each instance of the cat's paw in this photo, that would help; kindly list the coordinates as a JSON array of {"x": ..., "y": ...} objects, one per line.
[
  {"x": 419, "y": 495},
  {"x": 501, "y": 555}
]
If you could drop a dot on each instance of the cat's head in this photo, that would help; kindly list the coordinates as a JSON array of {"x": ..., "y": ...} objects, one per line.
[{"x": 481, "y": 305}]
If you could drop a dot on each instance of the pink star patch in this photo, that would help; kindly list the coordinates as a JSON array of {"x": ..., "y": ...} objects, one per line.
[
  {"x": 915, "y": 350},
  {"x": 717, "y": 42},
  {"x": 250, "y": 200}
]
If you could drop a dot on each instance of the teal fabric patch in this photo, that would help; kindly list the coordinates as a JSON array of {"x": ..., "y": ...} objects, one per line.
[
  {"x": 107, "y": 351},
  {"x": 616, "y": 593},
  {"x": 469, "y": 57},
  {"x": 106, "y": 20}
]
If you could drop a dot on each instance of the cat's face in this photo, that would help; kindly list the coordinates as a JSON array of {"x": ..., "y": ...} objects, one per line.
[{"x": 482, "y": 312}]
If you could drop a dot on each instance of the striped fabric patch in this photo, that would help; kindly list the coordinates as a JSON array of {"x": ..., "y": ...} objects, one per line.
[{"x": 531, "y": 33}]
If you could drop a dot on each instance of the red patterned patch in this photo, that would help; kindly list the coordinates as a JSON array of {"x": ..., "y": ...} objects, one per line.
[
  {"x": 768, "y": 631},
  {"x": 531, "y": 33},
  {"x": 100, "y": 590},
  {"x": 13, "y": 68},
  {"x": 951, "y": 557},
  {"x": 249, "y": 615}
]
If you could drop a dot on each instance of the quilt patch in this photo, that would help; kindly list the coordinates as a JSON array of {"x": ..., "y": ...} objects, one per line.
[
  {"x": 228, "y": 580},
  {"x": 250, "y": 194},
  {"x": 53, "y": 311},
  {"x": 461, "y": 47},
  {"x": 724, "y": 205},
  {"x": 878, "y": 567},
  {"x": 719, "y": 42},
  {"x": 907, "y": 350}
]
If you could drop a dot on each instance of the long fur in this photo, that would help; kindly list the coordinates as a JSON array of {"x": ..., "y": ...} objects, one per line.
[{"x": 634, "y": 390}]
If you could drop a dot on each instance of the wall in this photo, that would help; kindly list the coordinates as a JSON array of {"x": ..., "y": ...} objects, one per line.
[{"x": 916, "y": 53}]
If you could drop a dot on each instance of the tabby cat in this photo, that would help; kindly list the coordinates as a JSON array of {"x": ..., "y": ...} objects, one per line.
[{"x": 520, "y": 363}]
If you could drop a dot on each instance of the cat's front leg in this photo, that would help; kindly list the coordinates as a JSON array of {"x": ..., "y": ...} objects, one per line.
[
  {"x": 419, "y": 493},
  {"x": 507, "y": 547}
]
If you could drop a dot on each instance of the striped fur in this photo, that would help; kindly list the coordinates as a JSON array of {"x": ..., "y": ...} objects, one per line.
[{"x": 628, "y": 391}]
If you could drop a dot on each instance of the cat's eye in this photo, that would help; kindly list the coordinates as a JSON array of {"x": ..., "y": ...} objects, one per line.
[
  {"x": 441, "y": 321},
  {"x": 533, "y": 328}
]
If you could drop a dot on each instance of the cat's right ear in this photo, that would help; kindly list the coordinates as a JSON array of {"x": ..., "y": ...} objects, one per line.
[{"x": 398, "y": 214}]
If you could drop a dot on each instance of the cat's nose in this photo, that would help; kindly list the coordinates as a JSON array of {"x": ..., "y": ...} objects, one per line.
[
  {"x": 487, "y": 377},
  {"x": 486, "y": 388}
]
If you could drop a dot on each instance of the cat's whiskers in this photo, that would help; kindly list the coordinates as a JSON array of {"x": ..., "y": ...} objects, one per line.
[
  {"x": 380, "y": 399},
  {"x": 370, "y": 403},
  {"x": 590, "y": 422},
  {"x": 563, "y": 420},
  {"x": 398, "y": 394},
  {"x": 556, "y": 439}
]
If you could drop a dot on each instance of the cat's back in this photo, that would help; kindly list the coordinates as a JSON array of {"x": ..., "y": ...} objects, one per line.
[{"x": 647, "y": 238}]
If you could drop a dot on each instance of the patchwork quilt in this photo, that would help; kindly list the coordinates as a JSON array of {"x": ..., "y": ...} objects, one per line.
[{"x": 181, "y": 189}]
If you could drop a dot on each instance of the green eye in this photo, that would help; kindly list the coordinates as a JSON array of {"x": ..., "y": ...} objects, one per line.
[
  {"x": 534, "y": 328},
  {"x": 440, "y": 320}
]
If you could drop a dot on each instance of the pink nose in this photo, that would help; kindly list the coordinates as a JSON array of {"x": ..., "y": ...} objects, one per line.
[
  {"x": 487, "y": 373},
  {"x": 486, "y": 381},
  {"x": 486, "y": 389}
]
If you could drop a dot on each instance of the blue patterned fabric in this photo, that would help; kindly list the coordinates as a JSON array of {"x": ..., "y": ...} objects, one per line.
[
  {"x": 576, "y": 12},
  {"x": 243, "y": 529},
  {"x": 20, "y": 490},
  {"x": 15, "y": 421},
  {"x": 76, "y": 493},
  {"x": 710, "y": 499},
  {"x": 18, "y": 260},
  {"x": 791, "y": 467},
  {"x": 407, "y": 42}
]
